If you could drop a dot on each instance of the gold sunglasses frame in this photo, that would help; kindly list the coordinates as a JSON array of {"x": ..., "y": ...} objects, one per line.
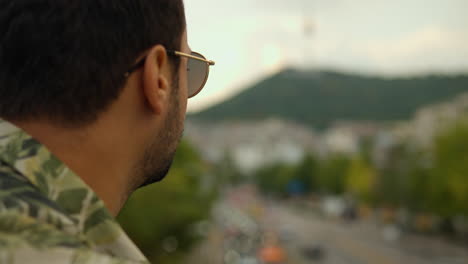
[
  {"x": 201, "y": 58},
  {"x": 180, "y": 54}
]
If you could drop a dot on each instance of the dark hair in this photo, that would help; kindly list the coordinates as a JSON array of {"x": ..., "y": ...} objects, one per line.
[{"x": 65, "y": 60}]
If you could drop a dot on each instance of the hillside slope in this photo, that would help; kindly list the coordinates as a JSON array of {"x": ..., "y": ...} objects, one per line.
[{"x": 319, "y": 98}]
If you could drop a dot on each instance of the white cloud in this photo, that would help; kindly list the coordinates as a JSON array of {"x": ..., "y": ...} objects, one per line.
[{"x": 431, "y": 48}]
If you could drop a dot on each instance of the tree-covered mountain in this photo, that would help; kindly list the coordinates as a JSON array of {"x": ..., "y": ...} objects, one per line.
[{"x": 320, "y": 98}]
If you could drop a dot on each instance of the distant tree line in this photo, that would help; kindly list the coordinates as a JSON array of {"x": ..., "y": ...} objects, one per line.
[{"x": 431, "y": 181}]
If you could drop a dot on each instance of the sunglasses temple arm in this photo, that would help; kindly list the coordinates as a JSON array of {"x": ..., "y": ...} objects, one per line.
[{"x": 136, "y": 66}]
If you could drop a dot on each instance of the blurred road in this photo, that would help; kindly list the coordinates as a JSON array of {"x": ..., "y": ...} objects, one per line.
[
  {"x": 244, "y": 221},
  {"x": 356, "y": 243}
]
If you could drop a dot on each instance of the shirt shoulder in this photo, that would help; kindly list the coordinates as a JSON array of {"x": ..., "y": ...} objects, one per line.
[
  {"x": 57, "y": 255},
  {"x": 46, "y": 209},
  {"x": 34, "y": 230}
]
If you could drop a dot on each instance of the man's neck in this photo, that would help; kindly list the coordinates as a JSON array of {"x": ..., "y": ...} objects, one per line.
[{"x": 92, "y": 154}]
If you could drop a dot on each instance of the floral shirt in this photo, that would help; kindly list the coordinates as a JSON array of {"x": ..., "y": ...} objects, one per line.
[{"x": 48, "y": 214}]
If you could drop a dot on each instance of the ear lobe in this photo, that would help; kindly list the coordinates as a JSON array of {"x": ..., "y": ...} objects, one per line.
[{"x": 155, "y": 80}]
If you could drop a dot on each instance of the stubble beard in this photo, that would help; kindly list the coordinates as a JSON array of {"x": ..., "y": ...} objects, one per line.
[{"x": 159, "y": 155}]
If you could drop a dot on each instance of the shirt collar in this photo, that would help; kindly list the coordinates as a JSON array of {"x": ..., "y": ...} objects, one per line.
[{"x": 91, "y": 220}]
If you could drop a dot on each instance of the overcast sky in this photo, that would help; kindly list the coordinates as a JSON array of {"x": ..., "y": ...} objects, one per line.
[{"x": 250, "y": 39}]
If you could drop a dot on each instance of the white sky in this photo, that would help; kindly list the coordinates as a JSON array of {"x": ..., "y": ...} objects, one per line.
[{"x": 250, "y": 39}]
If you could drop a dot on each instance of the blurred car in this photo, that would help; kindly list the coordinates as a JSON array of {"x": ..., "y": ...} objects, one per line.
[{"x": 314, "y": 252}]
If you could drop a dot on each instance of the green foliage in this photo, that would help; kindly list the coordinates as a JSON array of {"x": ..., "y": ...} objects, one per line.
[
  {"x": 448, "y": 187},
  {"x": 169, "y": 209},
  {"x": 417, "y": 198},
  {"x": 273, "y": 179},
  {"x": 313, "y": 175},
  {"x": 431, "y": 181},
  {"x": 331, "y": 179},
  {"x": 360, "y": 180},
  {"x": 320, "y": 98},
  {"x": 307, "y": 172},
  {"x": 393, "y": 182},
  {"x": 434, "y": 181}
]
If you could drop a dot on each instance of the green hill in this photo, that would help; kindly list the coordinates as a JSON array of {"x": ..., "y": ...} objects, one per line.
[{"x": 319, "y": 98}]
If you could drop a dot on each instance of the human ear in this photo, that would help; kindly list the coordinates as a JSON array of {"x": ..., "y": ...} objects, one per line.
[{"x": 156, "y": 74}]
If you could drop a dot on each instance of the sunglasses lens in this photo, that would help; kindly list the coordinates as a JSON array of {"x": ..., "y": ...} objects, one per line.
[{"x": 197, "y": 74}]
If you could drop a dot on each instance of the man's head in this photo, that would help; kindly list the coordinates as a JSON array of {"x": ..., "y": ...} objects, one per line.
[
  {"x": 68, "y": 76},
  {"x": 65, "y": 60}
]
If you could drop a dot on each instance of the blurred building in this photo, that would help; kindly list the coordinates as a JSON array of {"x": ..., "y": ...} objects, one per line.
[
  {"x": 430, "y": 120},
  {"x": 347, "y": 137},
  {"x": 253, "y": 144}
]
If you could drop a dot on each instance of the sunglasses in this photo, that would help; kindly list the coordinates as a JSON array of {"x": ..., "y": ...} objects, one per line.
[{"x": 198, "y": 69}]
